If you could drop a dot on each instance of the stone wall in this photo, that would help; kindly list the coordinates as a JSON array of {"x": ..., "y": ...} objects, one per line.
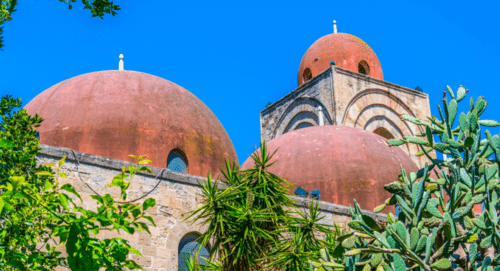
[
  {"x": 175, "y": 194},
  {"x": 349, "y": 99}
]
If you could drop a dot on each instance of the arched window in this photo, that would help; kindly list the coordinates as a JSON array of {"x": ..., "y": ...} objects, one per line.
[
  {"x": 188, "y": 247},
  {"x": 303, "y": 125},
  {"x": 363, "y": 67},
  {"x": 381, "y": 131},
  {"x": 176, "y": 161},
  {"x": 307, "y": 75}
]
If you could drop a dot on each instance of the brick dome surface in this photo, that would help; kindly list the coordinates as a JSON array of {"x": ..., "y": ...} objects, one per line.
[
  {"x": 344, "y": 163},
  {"x": 117, "y": 113},
  {"x": 346, "y": 50}
]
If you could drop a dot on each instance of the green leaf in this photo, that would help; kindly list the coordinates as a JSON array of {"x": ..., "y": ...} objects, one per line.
[
  {"x": 62, "y": 161},
  {"x": 396, "y": 142},
  {"x": 441, "y": 147},
  {"x": 479, "y": 223},
  {"x": 421, "y": 243},
  {"x": 150, "y": 202},
  {"x": 414, "y": 235},
  {"x": 379, "y": 208},
  {"x": 442, "y": 264},
  {"x": 370, "y": 222},
  {"x": 44, "y": 173},
  {"x": 68, "y": 187},
  {"x": 461, "y": 93},
  {"x": 399, "y": 263},
  {"x": 487, "y": 242},
  {"x": 472, "y": 252},
  {"x": 353, "y": 252},
  {"x": 452, "y": 111},
  {"x": 416, "y": 140},
  {"x": 489, "y": 123},
  {"x": 349, "y": 242},
  {"x": 63, "y": 174},
  {"x": 468, "y": 142},
  {"x": 5, "y": 144},
  {"x": 64, "y": 199}
]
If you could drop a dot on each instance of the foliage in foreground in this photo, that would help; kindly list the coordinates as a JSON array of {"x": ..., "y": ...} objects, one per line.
[
  {"x": 254, "y": 223},
  {"x": 437, "y": 228},
  {"x": 36, "y": 211}
]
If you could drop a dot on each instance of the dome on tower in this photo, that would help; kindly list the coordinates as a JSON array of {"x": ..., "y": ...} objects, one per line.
[
  {"x": 348, "y": 52},
  {"x": 343, "y": 163},
  {"x": 118, "y": 113}
]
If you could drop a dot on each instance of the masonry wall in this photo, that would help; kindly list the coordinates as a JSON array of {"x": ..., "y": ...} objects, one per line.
[
  {"x": 175, "y": 194},
  {"x": 349, "y": 99}
]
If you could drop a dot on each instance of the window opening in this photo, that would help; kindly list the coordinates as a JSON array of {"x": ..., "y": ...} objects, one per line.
[
  {"x": 303, "y": 125},
  {"x": 363, "y": 67},
  {"x": 189, "y": 246},
  {"x": 381, "y": 131},
  {"x": 307, "y": 75},
  {"x": 176, "y": 161}
]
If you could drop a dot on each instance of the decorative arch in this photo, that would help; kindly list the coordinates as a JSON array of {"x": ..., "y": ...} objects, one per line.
[
  {"x": 302, "y": 104},
  {"x": 301, "y": 118},
  {"x": 372, "y": 102}
]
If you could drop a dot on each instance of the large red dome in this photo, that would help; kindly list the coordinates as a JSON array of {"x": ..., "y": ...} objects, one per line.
[
  {"x": 348, "y": 52},
  {"x": 344, "y": 163},
  {"x": 117, "y": 113}
]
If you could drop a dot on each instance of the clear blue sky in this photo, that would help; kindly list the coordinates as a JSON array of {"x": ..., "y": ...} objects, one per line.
[{"x": 237, "y": 56}]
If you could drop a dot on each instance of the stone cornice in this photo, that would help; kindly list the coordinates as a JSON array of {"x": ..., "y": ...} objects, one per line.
[
  {"x": 115, "y": 164},
  {"x": 381, "y": 82}
]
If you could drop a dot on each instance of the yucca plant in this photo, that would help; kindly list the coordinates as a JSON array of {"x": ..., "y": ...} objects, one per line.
[
  {"x": 437, "y": 228},
  {"x": 254, "y": 224},
  {"x": 244, "y": 212}
]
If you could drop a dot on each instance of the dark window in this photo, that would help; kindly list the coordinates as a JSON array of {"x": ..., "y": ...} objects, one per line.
[
  {"x": 303, "y": 125},
  {"x": 188, "y": 247},
  {"x": 176, "y": 161},
  {"x": 307, "y": 75},
  {"x": 363, "y": 67},
  {"x": 381, "y": 131}
]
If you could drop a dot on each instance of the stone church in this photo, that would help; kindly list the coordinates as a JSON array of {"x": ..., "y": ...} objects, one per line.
[{"x": 330, "y": 135}]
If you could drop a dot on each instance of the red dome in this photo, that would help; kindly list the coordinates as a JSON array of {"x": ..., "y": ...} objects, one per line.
[
  {"x": 348, "y": 52},
  {"x": 117, "y": 113},
  {"x": 344, "y": 163}
]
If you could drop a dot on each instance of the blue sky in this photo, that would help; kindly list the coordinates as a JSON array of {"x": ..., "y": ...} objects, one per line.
[{"x": 237, "y": 56}]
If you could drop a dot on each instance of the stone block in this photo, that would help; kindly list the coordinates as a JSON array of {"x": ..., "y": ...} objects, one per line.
[{"x": 149, "y": 251}]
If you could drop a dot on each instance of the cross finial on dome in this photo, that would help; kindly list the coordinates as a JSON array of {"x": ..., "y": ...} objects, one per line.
[
  {"x": 334, "y": 26},
  {"x": 120, "y": 64}
]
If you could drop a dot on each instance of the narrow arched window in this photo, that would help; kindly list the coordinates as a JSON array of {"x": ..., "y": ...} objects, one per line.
[
  {"x": 190, "y": 246},
  {"x": 381, "y": 131},
  {"x": 303, "y": 125},
  {"x": 176, "y": 161},
  {"x": 363, "y": 67},
  {"x": 307, "y": 75}
]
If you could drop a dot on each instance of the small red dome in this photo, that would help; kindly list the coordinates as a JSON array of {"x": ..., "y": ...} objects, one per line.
[
  {"x": 348, "y": 52},
  {"x": 344, "y": 163},
  {"x": 117, "y": 113}
]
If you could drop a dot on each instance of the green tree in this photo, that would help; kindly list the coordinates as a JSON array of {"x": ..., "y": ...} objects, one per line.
[
  {"x": 254, "y": 223},
  {"x": 437, "y": 228},
  {"x": 98, "y": 8},
  {"x": 35, "y": 208}
]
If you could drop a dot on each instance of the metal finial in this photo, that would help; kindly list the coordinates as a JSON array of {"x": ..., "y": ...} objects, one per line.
[
  {"x": 120, "y": 64},
  {"x": 334, "y": 26}
]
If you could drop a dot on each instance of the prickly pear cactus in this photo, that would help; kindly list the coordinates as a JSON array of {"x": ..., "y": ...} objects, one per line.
[{"x": 437, "y": 228}]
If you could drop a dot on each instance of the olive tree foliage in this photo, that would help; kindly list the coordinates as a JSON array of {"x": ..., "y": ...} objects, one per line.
[
  {"x": 40, "y": 214},
  {"x": 98, "y": 8},
  {"x": 253, "y": 224},
  {"x": 437, "y": 228}
]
